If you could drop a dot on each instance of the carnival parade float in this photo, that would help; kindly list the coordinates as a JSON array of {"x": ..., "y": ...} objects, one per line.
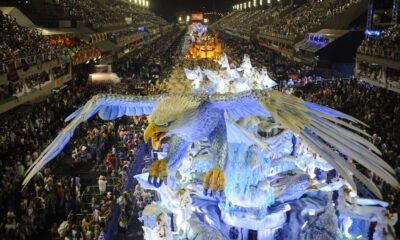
[
  {"x": 203, "y": 45},
  {"x": 244, "y": 158}
]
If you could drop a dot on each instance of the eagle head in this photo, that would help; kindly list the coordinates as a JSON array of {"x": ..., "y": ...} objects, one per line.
[{"x": 170, "y": 115}]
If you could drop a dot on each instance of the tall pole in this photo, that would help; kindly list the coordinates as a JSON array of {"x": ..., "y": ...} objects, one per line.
[
  {"x": 395, "y": 11},
  {"x": 370, "y": 14}
]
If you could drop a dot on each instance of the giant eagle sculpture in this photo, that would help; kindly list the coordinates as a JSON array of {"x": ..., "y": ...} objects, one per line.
[{"x": 190, "y": 117}]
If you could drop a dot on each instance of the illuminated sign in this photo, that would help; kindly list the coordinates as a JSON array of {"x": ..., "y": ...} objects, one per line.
[{"x": 197, "y": 17}]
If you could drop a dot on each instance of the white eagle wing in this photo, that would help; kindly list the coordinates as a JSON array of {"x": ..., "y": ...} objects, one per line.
[
  {"x": 329, "y": 133},
  {"x": 108, "y": 107}
]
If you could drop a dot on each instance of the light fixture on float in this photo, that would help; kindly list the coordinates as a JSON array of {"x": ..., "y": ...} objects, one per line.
[
  {"x": 261, "y": 2},
  {"x": 249, "y": 4},
  {"x": 254, "y": 3}
]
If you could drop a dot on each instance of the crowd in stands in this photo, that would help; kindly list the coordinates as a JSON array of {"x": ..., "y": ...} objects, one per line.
[
  {"x": 109, "y": 13},
  {"x": 91, "y": 12},
  {"x": 138, "y": 14},
  {"x": 24, "y": 136},
  {"x": 308, "y": 17},
  {"x": 243, "y": 22},
  {"x": 385, "y": 45},
  {"x": 19, "y": 42}
]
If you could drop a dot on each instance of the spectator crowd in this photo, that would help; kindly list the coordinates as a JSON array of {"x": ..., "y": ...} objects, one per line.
[
  {"x": 384, "y": 45},
  {"x": 308, "y": 17},
  {"x": 20, "y": 42}
]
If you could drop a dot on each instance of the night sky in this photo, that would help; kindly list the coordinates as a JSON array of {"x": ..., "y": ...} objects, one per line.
[{"x": 171, "y": 7}]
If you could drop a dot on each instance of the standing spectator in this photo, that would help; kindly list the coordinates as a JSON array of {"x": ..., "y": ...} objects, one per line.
[{"x": 102, "y": 185}]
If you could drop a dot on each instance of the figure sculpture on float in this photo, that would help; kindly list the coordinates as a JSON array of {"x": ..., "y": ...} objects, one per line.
[
  {"x": 156, "y": 223},
  {"x": 230, "y": 80}
]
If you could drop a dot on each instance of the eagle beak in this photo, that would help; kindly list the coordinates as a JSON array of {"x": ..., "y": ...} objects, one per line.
[{"x": 155, "y": 134}]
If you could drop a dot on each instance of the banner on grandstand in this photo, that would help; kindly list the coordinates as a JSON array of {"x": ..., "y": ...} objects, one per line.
[{"x": 197, "y": 17}]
